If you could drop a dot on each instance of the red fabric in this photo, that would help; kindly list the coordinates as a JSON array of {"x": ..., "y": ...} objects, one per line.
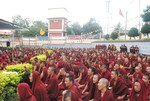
[
  {"x": 139, "y": 76},
  {"x": 106, "y": 75},
  {"x": 90, "y": 93},
  {"x": 75, "y": 93},
  {"x": 142, "y": 95},
  {"x": 52, "y": 86},
  {"x": 25, "y": 92},
  {"x": 38, "y": 88},
  {"x": 45, "y": 73},
  {"x": 119, "y": 87},
  {"x": 84, "y": 77},
  {"x": 108, "y": 96}
]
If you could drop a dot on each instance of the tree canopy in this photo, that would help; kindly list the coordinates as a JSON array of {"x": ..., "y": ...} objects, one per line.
[
  {"x": 114, "y": 35},
  {"x": 146, "y": 15},
  {"x": 146, "y": 29},
  {"x": 133, "y": 32},
  {"x": 92, "y": 27},
  {"x": 32, "y": 26}
]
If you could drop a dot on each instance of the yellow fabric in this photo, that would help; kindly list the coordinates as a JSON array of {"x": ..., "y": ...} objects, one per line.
[{"x": 42, "y": 32}]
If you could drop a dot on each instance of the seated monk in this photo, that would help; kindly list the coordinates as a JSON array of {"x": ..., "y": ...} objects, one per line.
[
  {"x": 146, "y": 80},
  {"x": 121, "y": 71},
  {"x": 104, "y": 72},
  {"x": 83, "y": 73},
  {"x": 119, "y": 87},
  {"x": 138, "y": 91},
  {"x": 91, "y": 92},
  {"x": 38, "y": 87},
  {"x": 91, "y": 72},
  {"x": 103, "y": 94},
  {"x": 75, "y": 93},
  {"x": 24, "y": 92},
  {"x": 52, "y": 84},
  {"x": 137, "y": 74}
]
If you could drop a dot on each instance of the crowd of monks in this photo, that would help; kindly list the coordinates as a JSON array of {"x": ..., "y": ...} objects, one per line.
[{"x": 83, "y": 75}]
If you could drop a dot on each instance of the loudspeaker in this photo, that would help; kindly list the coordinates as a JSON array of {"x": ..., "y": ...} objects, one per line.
[{"x": 8, "y": 44}]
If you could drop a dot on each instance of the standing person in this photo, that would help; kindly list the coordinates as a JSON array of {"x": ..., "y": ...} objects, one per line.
[
  {"x": 103, "y": 93},
  {"x": 38, "y": 87},
  {"x": 24, "y": 92},
  {"x": 119, "y": 87},
  {"x": 52, "y": 84}
]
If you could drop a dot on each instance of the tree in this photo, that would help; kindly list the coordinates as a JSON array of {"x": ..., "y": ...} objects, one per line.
[
  {"x": 92, "y": 27},
  {"x": 24, "y": 22},
  {"x": 146, "y": 29},
  {"x": 133, "y": 32},
  {"x": 35, "y": 28},
  {"x": 70, "y": 31},
  {"x": 114, "y": 35},
  {"x": 117, "y": 28},
  {"x": 146, "y": 15},
  {"x": 76, "y": 28},
  {"x": 106, "y": 36}
]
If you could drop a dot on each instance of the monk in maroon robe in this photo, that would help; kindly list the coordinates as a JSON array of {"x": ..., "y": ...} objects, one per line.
[
  {"x": 146, "y": 80},
  {"x": 91, "y": 92},
  {"x": 138, "y": 91},
  {"x": 75, "y": 93},
  {"x": 103, "y": 94},
  {"x": 44, "y": 74},
  {"x": 104, "y": 72},
  {"x": 119, "y": 87},
  {"x": 137, "y": 74},
  {"x": 24, "y": 92},
  {"x": 120, "y": 70},
  {"x": 91, "y": 72},
  {"x": 83, "y": 73},
  {"x": 52, "y": 84},
  {"x": 38, "y": 87}
]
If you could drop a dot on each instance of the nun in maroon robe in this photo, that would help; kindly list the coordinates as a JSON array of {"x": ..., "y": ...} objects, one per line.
[
  {"x": 38, "y": 87},
  {"x": 138, "y": 91},
  {"x": 25, "y": 93}
]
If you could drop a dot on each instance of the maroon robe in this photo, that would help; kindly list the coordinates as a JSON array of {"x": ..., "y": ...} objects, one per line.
[
  {"x": 84, "y": 77},
  {"x": 52, "y": 86},
  {"x": 106, "y": 75},
  {"x": 108, "y": 96},
  {"x": 90, "y": 93},
  {"x": 25, "y": 92},
  {"x": 45, "y": 73},
  {"x": 75, "y": 93},
  {"x": 138, "y": 75},
  {"x": 142, "y": 95},
  {"x": 38, "y": 87},
  {"x": 119, "y": 87}
]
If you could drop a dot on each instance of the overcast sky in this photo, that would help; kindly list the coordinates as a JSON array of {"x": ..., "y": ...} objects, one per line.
[{"x": 80, "y": 10}]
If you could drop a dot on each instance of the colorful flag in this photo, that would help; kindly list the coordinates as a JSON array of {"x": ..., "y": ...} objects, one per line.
[
  {"x": 42, "y": 32},
  {"x": 120, "y": 13}
]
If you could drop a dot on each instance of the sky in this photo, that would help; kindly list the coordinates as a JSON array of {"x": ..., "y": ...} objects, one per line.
[{"x": 79, "y": 10}]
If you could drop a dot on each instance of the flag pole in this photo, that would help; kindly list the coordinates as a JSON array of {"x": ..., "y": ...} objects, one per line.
[{"x": 126, "y": 25}]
